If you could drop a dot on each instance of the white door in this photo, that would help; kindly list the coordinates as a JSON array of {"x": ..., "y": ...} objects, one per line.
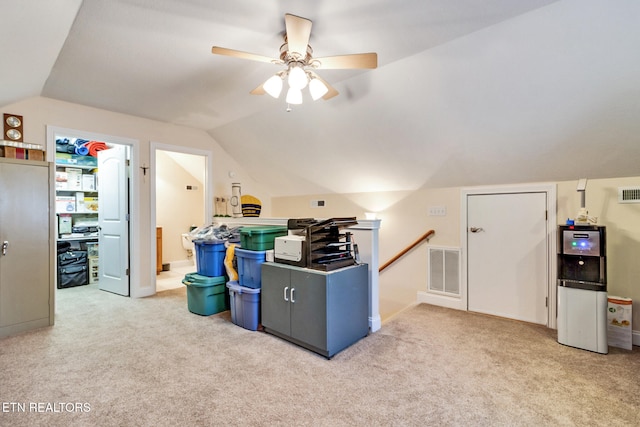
[
  {"x": 113, "y": 210},
  {"x": 507, "y": 255}
]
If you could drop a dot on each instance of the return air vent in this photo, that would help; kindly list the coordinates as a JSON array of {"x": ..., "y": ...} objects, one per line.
[
  {"x": 628, "y": 194},
  {"x": 444, "y": 270}
]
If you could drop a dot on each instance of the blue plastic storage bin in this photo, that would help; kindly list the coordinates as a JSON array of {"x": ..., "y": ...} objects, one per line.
[
  {"x": 250, "y": 267},
  {"x": 245, "y": 306},
  {"x": 210, "y": 257}
]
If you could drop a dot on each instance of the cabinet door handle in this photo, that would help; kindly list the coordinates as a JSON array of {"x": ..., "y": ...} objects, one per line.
[
  {"x": 292, "y": 300},
  {"x": 5, "y": 245},
  {"x": 286, "y": 288}
]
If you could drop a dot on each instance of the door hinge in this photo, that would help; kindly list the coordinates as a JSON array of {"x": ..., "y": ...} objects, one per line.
[
  {"x": 546, "y": 215},
  {"x": 127, "y": 217},
  {"x": 546, "y": 301},
  {"x": 127, "y": 162},
  {"x": 126, "y": 273}
]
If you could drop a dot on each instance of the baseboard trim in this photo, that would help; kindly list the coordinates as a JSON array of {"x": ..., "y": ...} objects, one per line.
[{"x": 441, "y": 300}]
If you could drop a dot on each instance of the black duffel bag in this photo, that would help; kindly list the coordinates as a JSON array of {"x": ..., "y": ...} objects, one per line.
[{"x": 73, "y": 269}]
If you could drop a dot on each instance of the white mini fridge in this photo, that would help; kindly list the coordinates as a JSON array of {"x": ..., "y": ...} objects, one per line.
[{"x": 582, "y": 319}]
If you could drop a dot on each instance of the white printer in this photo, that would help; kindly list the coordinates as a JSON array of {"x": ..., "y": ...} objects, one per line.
[{"x": 290, "y": 250}]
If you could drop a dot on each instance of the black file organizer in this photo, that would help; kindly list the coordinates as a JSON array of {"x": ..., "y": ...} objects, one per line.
[{"x": 328, "y": 248}]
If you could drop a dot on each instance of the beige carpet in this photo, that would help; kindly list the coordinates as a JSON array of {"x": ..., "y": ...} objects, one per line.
[{"x": 150, "y": 362}]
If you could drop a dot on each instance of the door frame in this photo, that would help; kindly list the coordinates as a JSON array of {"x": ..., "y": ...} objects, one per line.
[
  {"x": 208, "y": 193},
  {"x": 134, "y": 195},
  {"x": 550, "y": 189}
]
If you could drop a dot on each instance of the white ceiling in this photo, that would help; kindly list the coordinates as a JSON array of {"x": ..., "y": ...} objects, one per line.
[{"x": 467, "y": 92}]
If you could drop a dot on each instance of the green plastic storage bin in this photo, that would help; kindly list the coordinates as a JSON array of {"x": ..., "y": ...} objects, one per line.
[
  {"x": 206, "y": 295},
  {"x": 260, "y": 238}
]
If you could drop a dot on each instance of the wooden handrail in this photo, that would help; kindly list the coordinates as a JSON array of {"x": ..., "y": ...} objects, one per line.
[{"x": 425, "y": 236}]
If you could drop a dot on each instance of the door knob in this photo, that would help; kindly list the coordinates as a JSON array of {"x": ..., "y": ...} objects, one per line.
[{"x": 476, "y": 229}]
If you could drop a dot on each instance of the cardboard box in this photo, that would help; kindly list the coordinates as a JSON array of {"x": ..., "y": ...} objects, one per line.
[
  {"x": 619, "y": 332},
  {"x": 64, "y": 223},
  {"x": 88, "y": 182},
  {"x": 61, "y": 180},
  {"x": 80, "y": 202},
  {"x": 65, "y": 204},
  {"x": 74, "y": 179},
  {"x": 91, "y": 204}
]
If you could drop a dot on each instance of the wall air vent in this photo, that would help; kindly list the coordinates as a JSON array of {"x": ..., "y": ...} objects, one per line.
[
  {"x": 444, "y": 270},
  {"x": 628, "y": 194}
]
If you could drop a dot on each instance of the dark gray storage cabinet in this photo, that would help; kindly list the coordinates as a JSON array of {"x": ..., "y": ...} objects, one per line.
[{"x": 324, "y": 312}]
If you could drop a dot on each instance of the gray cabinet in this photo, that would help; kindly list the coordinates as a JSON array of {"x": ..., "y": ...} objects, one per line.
[
  {"x": 322, "y": 311},
  {"x": 26, "y": 260}
]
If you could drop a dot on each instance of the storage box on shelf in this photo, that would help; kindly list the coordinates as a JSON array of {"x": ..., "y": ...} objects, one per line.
[{"x": 21, "y": 150}]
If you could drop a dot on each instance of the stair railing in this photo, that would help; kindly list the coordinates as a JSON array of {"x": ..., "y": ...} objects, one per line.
[{"x": 424, "y": 237}]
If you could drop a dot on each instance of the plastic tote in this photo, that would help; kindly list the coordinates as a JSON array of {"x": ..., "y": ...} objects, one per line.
[
  {"x": 245, "y": 306},
  {"x": 205, "y": 295},
  {"x": 210, "y": 257},
  {"x": 260, "y": 238},
  {"x": 250, "y": 267}
]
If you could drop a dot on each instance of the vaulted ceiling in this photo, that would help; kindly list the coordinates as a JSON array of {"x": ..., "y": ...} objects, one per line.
[{"x": 466, "y": 92}]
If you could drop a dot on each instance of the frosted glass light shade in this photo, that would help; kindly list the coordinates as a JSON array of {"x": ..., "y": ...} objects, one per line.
[
  {"x": 317, "y": 89},
  {"x": 273, "y": 86},
  {"x": 297, "y": 78},
  {"x": 294, "y": 96}
]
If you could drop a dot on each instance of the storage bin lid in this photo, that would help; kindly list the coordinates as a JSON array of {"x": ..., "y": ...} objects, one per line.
[
  {"x": 235, "y": 286},
  {"x": 195, "y": 279},
  {"x": 250, "y": 253},
  {"x": 208, "y": 241},
  {"x": 263, "y": 229}
]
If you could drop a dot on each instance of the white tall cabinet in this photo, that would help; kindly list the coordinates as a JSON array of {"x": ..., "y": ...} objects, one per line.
[{"x": 28, "y": 245}]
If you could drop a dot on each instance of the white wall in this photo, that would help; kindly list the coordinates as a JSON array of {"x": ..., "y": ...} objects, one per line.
[
  {"x": 405, "y": 217},
  {"x": 38, "y": 112}
]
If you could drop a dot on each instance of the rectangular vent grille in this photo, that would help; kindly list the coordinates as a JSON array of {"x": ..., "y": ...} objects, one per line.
[
  {"x": 628, "y": 194},
  {"x": 444, "y": 270}
]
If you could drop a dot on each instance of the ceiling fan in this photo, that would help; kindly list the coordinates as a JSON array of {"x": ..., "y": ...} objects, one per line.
[{"x": 297, "y": 56}]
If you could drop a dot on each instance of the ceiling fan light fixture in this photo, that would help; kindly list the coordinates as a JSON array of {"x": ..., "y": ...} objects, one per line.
[
  {"x": 273, "y": 86},
  {"x": 297, "y": 77},
  {"x": 294, "y": 96},
  {"x": 317, "y": 89}
]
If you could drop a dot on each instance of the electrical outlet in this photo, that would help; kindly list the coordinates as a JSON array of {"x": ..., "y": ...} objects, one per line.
[
  {"x": 437, "y": 210},
  {"x": 317, "y": 204}
]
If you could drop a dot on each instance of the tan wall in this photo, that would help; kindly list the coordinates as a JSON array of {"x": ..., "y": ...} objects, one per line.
[
  {"x": 405, "y": 217},
  {"x": 38, "y": 112},
  {"x": 623, "y": 232},
  {"x": 176, "y": 207}
]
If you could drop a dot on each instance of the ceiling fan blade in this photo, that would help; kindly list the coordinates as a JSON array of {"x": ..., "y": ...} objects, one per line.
[
  {"x": 332, "y": 91},
  {"x": 298, "y": 32},
  {"x": 244, "y": 55},
  {"x": 357, "y": 60},
  {"x": 259, "y": 90}
]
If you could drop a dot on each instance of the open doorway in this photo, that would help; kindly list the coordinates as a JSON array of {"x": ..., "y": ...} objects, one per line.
[
  {"x": 180, "y": 201},
  {"x": 82, "y": 192}
]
